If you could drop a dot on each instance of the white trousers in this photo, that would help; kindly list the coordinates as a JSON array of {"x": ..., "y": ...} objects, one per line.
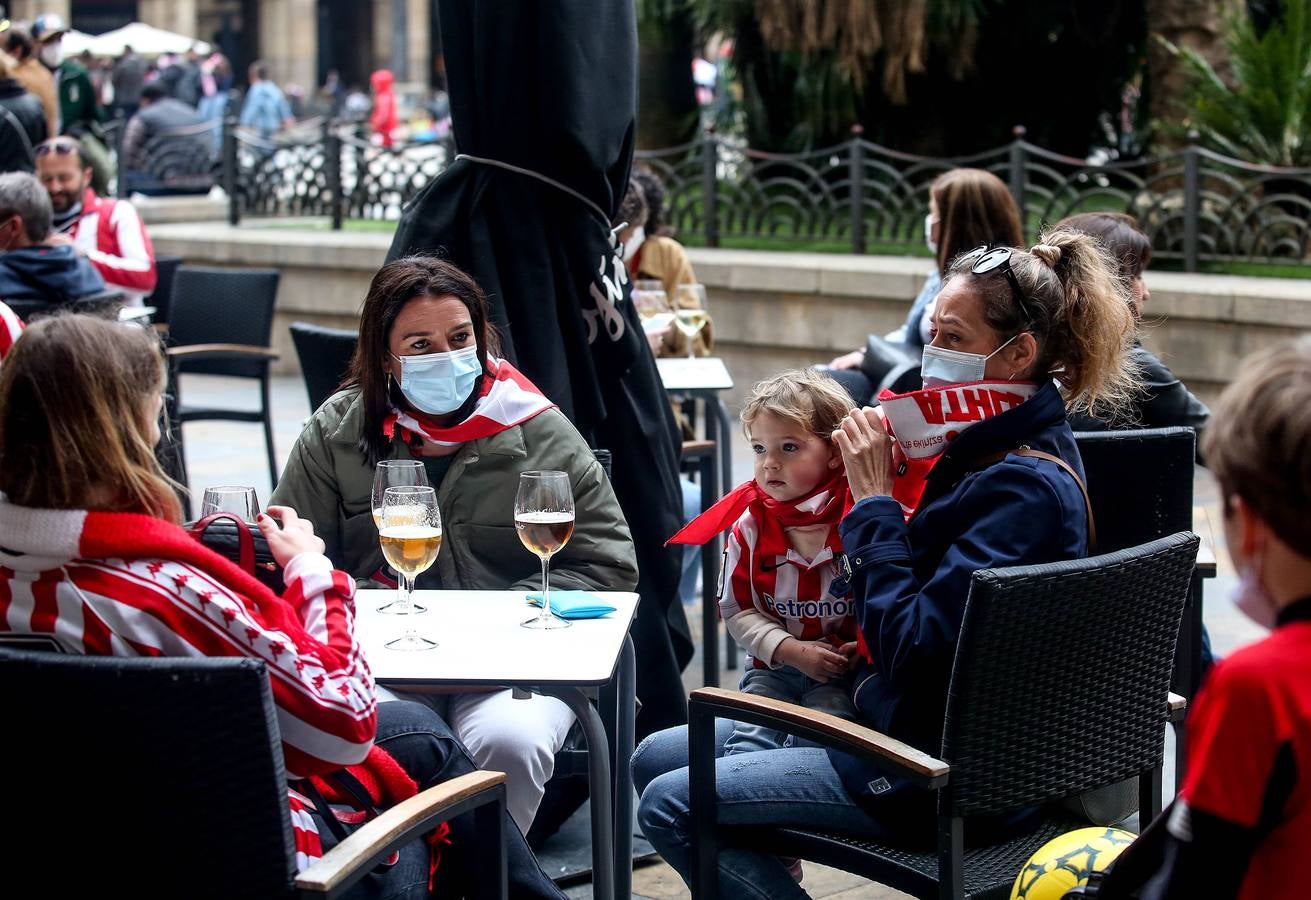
[{"x": 517, "y": 737}]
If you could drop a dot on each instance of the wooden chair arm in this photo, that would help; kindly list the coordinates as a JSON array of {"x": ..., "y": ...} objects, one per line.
[
  {"x": 405, "y": 821},
  {"x": 208, "y": 351},
  {"x": 1178, "y": 707},
  {"x": 826, "y": 729},
  {"x": 698, "y": 449}
]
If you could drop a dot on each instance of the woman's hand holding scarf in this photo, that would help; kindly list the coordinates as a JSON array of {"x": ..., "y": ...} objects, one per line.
[{"x": 867, "y": 452}]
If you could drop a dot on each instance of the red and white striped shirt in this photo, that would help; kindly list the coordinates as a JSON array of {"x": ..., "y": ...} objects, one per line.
[
  {"x": 10, "y": 328},
  {"x": 112, "y": 236},
  {"x": 144, "y": 606},
  {"x": 787, "y": 590}
]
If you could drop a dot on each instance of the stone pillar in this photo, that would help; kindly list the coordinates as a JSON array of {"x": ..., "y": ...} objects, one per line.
[
  {"x": 289, "y": 41},
  {"x": 180, "y": 16},
  {"x": 420, "y": 42},
  {"x": 27, "y": 10}
]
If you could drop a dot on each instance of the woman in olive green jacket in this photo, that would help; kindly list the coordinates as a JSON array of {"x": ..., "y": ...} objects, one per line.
[{"x": 424, "y": 384}]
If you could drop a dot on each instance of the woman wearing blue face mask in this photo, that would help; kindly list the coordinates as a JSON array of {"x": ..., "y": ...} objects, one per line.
[
  {"x": 425, "y": 383},
  {"x": 991, "y": 477}
]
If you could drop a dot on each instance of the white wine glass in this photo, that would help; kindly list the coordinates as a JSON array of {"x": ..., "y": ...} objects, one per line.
[
  {"x": 240, "y": 501},
  {"x": 395, "y": 473},
  {"x": 690, "y": 314},
  {"x": 544, "y": 518},
  {"x": 650, "y": 298},
  {"x": 411, "y": 535}
]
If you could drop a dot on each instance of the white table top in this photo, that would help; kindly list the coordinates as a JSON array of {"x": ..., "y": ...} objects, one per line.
[
  {"x": 480, "y": 641},
  {"x": 707, "y": 373},
  {"x": 130, "y": 313}
]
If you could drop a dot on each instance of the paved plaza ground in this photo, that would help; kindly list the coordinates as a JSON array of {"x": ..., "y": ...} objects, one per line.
[{"x": 232, "y": 453}]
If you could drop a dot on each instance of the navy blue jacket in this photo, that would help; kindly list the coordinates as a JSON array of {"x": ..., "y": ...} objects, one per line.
[
  {"x": 911, "y": 579},
  {"x": 53, "y": 274}
]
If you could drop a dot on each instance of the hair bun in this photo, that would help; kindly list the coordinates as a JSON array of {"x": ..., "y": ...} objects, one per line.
[{"x": 1048, "y": 253}]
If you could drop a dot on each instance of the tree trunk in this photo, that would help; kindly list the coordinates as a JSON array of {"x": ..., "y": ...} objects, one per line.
[
  {"x": 666, "y": 100},
  {"x": 1196, "y": 24}
]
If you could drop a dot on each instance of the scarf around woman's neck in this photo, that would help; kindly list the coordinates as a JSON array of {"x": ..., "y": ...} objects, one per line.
[
  {"x": 922, "y": 424},
  {"x": 826, "y": 505},
  {"x": 506, "y": 399}
]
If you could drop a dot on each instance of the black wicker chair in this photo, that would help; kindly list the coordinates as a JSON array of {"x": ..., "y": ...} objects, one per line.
[
  {"x": 166, "y": 268},
  {"x": 164, "y": 777},
  {"x": 324, "y": 354},
  {"x": 220, "y": 324},
  {"x": 1060, "y": 686}
]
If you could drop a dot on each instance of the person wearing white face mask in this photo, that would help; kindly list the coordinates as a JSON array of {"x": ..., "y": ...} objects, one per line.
[
  {"x": 967, "y": 207},
  {"x": 1241, "y": 824},
  {"x": 425, "y": 383},
  {"x": 80, "y": 113}
]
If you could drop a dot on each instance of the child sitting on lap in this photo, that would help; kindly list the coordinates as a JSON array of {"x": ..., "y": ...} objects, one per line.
[{"x": 783, "y": 553}]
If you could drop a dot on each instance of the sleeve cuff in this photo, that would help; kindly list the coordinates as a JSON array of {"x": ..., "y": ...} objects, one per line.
[
  {"x": 306, "y": 564},
  {"x": 769, "y": 645}
]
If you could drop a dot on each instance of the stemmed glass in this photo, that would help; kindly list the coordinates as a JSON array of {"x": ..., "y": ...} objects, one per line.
[
  {"x": 544, "y": 518},
  {"x": 411, "y": 535},
  {"x": 395, "y": 473},
  {"x": 240, "y": 501},
  {"x": 649, "y": 297},
  {"x": 690, "y": 313}
]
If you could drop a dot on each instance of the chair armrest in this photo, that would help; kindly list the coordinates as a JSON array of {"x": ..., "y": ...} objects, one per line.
[
  {"x": 698, "y": 449},
  {"x": 211, "y": 351},
  {"x": 1178, "y": 707},
  {"x": 825, "y": 729},
  {"x": 377, "y": 838},
  {"x": 1206, "y": 566}
]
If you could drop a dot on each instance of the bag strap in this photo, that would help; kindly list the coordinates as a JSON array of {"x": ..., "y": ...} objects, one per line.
[
  {"x": 1025, "y": 450},
  {"x": 245, "y": 540}
]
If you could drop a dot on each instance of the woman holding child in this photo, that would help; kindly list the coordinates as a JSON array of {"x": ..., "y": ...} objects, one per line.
[{"x": 979, "y": 469}]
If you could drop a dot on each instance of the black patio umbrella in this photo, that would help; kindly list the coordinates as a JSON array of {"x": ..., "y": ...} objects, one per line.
[{"x": 543, "y": 96}]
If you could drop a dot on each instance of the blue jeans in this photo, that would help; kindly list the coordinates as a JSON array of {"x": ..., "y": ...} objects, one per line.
[
  {"x": 791, "y": 686},
  {"x": 418, "y": 739},
  {"x": 796, "y": 786},
  {"x": 691, "y": 554}
]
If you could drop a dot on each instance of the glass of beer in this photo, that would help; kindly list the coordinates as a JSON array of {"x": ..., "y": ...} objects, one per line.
[
  {"x": 544, "y": 518},
  {"x": 690, "y": 313},
  {"x": 395, "y": 473},
  {"x": 411, "y": 535}
]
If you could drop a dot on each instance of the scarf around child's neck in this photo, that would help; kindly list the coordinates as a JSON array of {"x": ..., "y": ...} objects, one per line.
[
  {"x": 922, "y": 424},
  {"x": 825, "y": 505}
]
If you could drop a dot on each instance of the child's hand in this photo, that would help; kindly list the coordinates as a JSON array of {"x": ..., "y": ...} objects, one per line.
[
  {"x": 815, "y": 659},
  {"x": 851, "y": 649}
]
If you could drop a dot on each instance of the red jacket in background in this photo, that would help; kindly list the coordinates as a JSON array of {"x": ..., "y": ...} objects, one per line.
[
  {"x": 383, "y": 121},
  {"x": 113, "y": 238}
]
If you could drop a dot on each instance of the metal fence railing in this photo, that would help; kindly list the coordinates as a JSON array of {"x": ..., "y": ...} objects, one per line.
[{"x": 1196, "y": 205}]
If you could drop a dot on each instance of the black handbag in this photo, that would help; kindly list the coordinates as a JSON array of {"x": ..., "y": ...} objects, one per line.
[{"x": 230, "y": 537}]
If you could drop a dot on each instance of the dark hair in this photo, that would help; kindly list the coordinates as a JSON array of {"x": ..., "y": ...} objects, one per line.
[
  {"x": 633, "y": 208},
  {"x": 19, "y": 43},
  {"x": 1258, "y": 444},
  {"x": 653, "y": 189},
  {"x": 1077, "y": 311},
  {"x": 974, "y": 207},
  {"x": 153, "y": 91},
  {"x": 260, "y": 69},
  {"x": 395, "y": 285},
  {"x": 1120, "y": 234},
  {"x": 97, "y": 446}
]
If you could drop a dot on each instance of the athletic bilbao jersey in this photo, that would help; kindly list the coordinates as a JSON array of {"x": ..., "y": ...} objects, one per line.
[{"x": 1249, "y": 754}]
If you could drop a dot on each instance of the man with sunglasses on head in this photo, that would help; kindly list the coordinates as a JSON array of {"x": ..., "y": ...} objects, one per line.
[{"x": 107, "y": 232}]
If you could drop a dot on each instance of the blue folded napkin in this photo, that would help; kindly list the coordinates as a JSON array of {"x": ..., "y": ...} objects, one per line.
[{"x": 574, "y": 604}]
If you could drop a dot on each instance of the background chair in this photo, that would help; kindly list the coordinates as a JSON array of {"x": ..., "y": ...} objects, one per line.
[
  {"x": 325, "y": 355},
  {"x": 166, "y": 268},
  {"x": 164, "y": 777},
  {"x": 220, "y": 324},
  {"x": 1059, "y": 686}
]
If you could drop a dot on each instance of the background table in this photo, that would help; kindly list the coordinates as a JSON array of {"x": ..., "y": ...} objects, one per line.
[
  {"x": 705, "y": 379},
  {"x": 480, "y": 642}
]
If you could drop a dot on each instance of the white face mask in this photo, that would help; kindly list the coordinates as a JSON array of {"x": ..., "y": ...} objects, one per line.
[
  {"x": 1252, "y": 598},
  {"x": 634, "y": 242},
  {"x": 929, "y": 222},
  {"x": 439, "y": 383},
  {"x": 52, "y": 54},
  {"x": 941, "y": 366}
]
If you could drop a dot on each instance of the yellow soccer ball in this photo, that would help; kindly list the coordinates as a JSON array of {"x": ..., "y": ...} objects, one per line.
[{"x": 1067, "y": 861}]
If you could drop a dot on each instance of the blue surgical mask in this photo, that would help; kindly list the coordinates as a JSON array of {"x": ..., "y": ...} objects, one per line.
[
  {"x": 941, "y": 366},
  {"x": 439, "y": 383}
]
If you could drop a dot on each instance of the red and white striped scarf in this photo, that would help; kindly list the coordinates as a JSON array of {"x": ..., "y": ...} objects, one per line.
[
  {"x": 924, "y": 422},
  {"x": 506, "y": 399},
  {"x": 825, "y": 505},
  {"x": 10, "y": 328}
]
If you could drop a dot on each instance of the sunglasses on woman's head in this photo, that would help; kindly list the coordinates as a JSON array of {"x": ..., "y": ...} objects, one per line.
[{"x": 993, "y": 258}]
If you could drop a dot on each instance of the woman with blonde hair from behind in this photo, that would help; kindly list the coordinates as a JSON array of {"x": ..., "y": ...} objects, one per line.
[
  {"x": 979, "y": 469},
  {"x": 93, "y": 559}
]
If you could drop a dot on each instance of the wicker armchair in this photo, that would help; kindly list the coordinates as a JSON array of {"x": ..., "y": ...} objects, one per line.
[
  {"x": 164, "y": 778},
  {"x": 1060, "y": 686}
]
